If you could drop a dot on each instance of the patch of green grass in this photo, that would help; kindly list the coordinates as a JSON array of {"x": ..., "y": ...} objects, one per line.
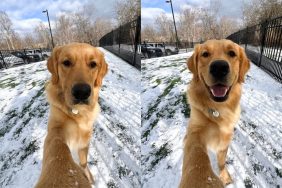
[
  {"x": 160, "y": 154},
  {"x": 10, "y": 115},
  {"x": 111, "y": 184},
  {"x": 248, "y": 183},
  {"x": 120, "y": 77},
  {"x": 31, "y": 148},
  {"x": 170, "y": 86},
  {"x": 154, "y": 106},
  {"x": 158, "y": 81},
  {"x": 180, "y": 60},
  {"x": 168, "y": 110},
  {"x": 105, "y": 108},
  {"x": 278, "y": 172},
  {"x": 33, "y": 84},
  {"x": 184, "y": 69},
  {"x": 170, "y": 65},
  {"x": 26, "y": 108},
  {"x": 8, "y": 83},
  {"x": 122, "y": 171},
  {"x": 148, "y": 131},
  {"x": 186, "y": 107},
  {"x": 40, "y": 70},
  {"x": 120, "y": 125},
  {"x": 257, "y": 168}
]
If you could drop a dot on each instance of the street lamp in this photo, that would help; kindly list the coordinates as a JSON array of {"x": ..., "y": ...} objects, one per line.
[
  {"x": 170, "y": 1},
  {"x": 49, "y": 26}
]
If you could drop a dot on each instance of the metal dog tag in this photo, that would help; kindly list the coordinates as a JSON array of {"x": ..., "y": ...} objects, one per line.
[
  {"x": 215, "y": 113},
  {"x": 74, "y": 111}
]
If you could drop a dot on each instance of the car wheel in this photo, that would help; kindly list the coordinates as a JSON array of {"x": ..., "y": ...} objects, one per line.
[
  {"x": 168, "y": 52},
  {"x": 45, "y": 57}
]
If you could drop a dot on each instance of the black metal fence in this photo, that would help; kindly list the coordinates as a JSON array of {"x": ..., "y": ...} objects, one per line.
[
  {"x": 263, "y": 45},
  {"x": 124, "y": 42},
  {"x": 12, "y": 58}
]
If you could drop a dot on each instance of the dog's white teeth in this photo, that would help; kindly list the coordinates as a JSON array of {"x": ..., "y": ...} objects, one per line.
[{"x": 74, "y": 111}]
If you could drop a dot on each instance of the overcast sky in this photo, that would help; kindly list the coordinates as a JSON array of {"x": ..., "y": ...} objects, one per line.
[
  {"x": 26, "y": 14},
  {"x": 152, "y": 8}
]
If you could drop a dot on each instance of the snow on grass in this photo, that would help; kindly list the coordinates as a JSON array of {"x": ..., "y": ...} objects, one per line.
[
  {"x": 114, "y": 156},
  {"x": 255, "y": 155}
]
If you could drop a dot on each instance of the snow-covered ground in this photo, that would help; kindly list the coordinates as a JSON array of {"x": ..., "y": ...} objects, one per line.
[
  {"x": 255, "y": 155},
  {"x": 114, "y": 156}
]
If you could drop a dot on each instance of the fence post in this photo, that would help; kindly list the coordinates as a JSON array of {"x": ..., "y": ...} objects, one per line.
[
  {"x": 119, "y": 28},
  {"x": 4, "y": 63},
  {"x": 246, "y": 42},
  {"x": 137, "y": 38},
  {"x": 264, "y": 26},
  {"x": 42, "y": 58}
]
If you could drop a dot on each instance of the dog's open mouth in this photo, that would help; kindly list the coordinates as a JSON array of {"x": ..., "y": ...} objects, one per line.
[{"x": 219, "y": 92}]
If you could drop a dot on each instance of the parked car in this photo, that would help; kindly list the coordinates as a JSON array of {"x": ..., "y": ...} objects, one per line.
[
  {"x": 11, "y": 60},
  {"x": 149, "y": 51},
  {"x": 27, "y": 57},
  {"x": 42, "y": 54},
  {"x": 166, "y": 49}
]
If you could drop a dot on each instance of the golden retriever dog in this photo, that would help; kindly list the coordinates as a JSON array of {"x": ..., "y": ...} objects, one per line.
[
  {"x": 77, "y": 71},
  {"x": 219, "y": 68}
]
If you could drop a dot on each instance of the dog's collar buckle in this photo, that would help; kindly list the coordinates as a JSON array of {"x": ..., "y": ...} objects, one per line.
[{"x": 213, "y": 112}]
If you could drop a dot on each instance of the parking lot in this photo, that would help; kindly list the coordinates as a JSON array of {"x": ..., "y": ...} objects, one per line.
[{"x": 13, "y": 58}]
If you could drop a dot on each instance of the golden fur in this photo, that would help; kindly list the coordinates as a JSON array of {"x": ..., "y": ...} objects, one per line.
[
  {"x": 205, "y": 130},
  {"x": 68, "y": 131}
]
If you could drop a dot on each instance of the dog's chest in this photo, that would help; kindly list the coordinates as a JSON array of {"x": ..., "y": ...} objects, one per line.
[{"x": 78, "y": 135}]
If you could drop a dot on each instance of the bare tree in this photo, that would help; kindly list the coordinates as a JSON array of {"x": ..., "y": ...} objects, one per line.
[
  {"x": 64, "y": 32},
  {"x": 227, "y": 26},
  {"x": 148, "y": 34},
  {"x": 165, "y": 28},
  {"x": 29, "y": 41},
  {"x": 42, "y": 35},
  {"x": 127, "y": 10},
  {"x": 187, "y": 24},
  {"x": 257, "y": 11},
  {"x": 100, "y": 28},
  {"x": 6, "y": 29},
  {"x": 82, "y": 27}
]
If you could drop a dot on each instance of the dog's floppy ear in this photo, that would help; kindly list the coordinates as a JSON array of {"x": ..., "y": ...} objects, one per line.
[
  {"x": 192, "y": 62},
  {"x": 244, "y": 65},
  {"x": 52, "y": 64},
  {"x": 103, "y": 69}
]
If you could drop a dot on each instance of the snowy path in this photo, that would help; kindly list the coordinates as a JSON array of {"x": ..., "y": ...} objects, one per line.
[
  {"x": 114, "y": 156},
  {"x": 255, "y": 156}
]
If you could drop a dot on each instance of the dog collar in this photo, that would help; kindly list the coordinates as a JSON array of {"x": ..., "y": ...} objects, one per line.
[{"x": 213, "y": 112}]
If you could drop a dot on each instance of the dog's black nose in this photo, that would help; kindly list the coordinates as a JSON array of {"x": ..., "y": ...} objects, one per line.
[
  {"x": 219, "y": 69},
  {"x": 81, "y": 92}
]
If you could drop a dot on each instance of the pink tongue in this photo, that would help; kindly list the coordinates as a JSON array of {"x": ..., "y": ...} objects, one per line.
[{"x": 219, "y": 90}]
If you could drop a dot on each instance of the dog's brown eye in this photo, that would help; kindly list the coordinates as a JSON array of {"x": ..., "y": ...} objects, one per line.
[
  {"x": 92, "y": 64},
  {"x": 67, "y": 63},
  {"x": 205, "y": 54},
  {"x": 231, "y": 53}
]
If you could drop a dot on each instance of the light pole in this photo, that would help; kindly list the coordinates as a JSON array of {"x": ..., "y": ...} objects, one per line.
[
  {"x": 170, "y": 1},
  {"x": 49, "y": 26}
]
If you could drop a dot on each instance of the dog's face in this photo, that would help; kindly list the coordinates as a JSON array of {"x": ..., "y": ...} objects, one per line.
[
  {"x": 77, "y": 71},
  {"x": 218, "y": 65}
]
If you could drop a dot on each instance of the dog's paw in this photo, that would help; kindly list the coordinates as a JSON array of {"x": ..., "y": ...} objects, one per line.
[{"x": 225, "y": 177}]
